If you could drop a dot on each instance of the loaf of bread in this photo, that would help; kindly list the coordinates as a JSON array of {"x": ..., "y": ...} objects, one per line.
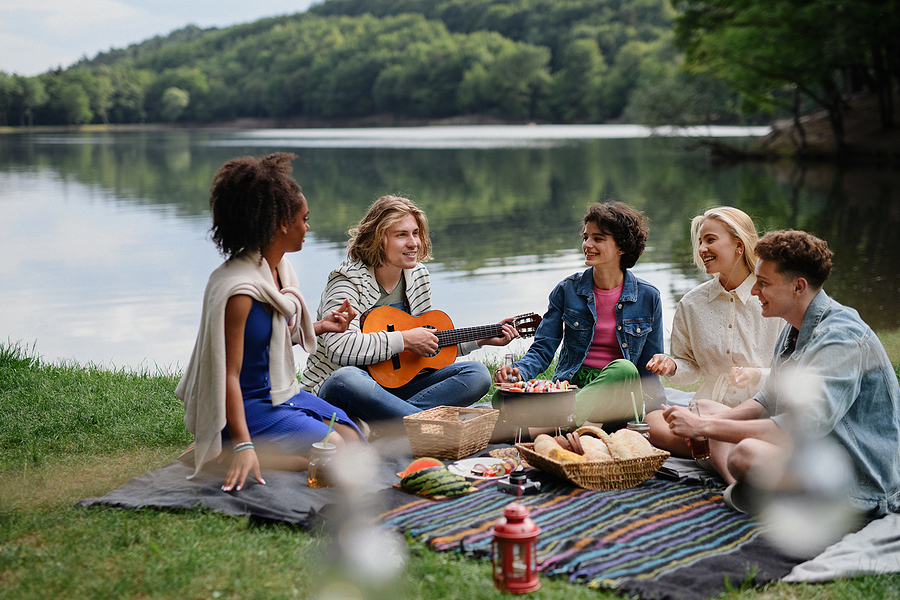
[
  {"x": 594, "y": 449},
  {"x": 631, "y": 444}
]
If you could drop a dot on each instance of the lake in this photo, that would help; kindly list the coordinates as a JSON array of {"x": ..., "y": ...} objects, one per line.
[{"x": 104, "y": 236}]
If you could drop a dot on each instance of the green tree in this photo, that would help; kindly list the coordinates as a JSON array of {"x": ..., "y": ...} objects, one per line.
[
  {"x": 821, "y": 48},
  {"x": 509, "y": 78},
  {"x": 67, "y": 102},
  {"x": 577, "y": 87},
  {"x": 129, "y": 90},
  {"x": 28, "y": 95},
  {"x": 6, "y": 97},
  {"x": 174, "y": 101}
]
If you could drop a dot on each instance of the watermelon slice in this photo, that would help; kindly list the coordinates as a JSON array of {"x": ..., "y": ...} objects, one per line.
[{"x": 419, "y": 464}]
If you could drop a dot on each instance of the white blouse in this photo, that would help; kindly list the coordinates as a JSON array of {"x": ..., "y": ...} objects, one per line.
[{"x": 715, "y": 330}]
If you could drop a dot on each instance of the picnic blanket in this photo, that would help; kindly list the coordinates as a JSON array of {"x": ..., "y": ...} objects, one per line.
[
  {"x": 659, "y": 540},
  {"x": 284, "y": 498},
  {"x": 662, "y": 539}
]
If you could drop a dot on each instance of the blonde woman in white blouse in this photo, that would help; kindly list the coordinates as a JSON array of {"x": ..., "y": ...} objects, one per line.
[{"x": 718, "y": 333}]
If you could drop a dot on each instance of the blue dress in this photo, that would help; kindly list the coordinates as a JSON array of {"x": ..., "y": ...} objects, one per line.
[{"x": 293, "y": 426}]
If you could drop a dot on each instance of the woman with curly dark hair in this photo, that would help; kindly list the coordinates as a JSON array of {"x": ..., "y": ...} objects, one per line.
[
  {"x": 608, "y": 321},
  {"x": 240, "y": 389}
]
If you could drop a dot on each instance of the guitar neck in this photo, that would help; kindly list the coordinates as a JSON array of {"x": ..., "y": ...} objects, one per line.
[{"x": 451, "y": 337}]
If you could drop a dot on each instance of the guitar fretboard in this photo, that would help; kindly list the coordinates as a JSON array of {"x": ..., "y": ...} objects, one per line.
[{"x": 451, "y": 337}]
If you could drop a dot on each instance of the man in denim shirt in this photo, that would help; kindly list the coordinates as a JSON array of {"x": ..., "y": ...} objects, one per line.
[{"x": 840, "y": 365}]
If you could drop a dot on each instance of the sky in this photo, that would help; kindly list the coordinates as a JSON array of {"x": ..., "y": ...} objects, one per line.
[{"x": 39, "y": 35}]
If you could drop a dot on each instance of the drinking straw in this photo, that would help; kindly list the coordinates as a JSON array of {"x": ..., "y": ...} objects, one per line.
[
  {"x": 634, "y": 405},
  {"x": 331, "y": 424}
]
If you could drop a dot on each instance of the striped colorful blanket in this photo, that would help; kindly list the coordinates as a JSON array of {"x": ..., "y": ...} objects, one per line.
[{"x": 659, "y": 540}]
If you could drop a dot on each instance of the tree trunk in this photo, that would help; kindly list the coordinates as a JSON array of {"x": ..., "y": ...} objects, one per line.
[
  {"x": 882, "y": 86},
  {"x": 835, "y": 107},
  {"x": 798, "y": 126}
]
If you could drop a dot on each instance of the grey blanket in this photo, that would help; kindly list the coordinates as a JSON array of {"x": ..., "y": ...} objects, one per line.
[{"x": 285, "y": 497}]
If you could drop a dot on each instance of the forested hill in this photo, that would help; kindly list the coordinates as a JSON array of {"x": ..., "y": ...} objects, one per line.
[{"x": 560, "y": 61}]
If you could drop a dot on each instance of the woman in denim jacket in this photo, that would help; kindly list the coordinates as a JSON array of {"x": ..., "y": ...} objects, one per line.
[{"x": 608, "y": 321}]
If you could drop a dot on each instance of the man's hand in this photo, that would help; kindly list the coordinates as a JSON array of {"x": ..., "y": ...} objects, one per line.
[
  {"x": 509, "y": 334},
  {"x": 421, "y": 341}
]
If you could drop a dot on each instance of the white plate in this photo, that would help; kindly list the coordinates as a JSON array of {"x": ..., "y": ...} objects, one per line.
[{"x": 464, "y": 467}]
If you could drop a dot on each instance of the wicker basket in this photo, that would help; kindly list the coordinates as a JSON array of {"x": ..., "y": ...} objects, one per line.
[
  {"x": 440, "y": 433},
  {"x": 616, "y": 474}
]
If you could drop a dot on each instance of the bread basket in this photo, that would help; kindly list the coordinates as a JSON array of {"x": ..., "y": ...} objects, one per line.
[{"x": 616, "y": 474}]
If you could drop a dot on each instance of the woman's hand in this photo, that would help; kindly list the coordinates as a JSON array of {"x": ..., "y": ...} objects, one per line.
[
  {"x": 506, "y": 374},
  {"x": 509, "y": 334},
  {"x": 742, "y": 377},
  {"x": 242, "y": 463},
  {"x": 421, "y": 341},
  {"x": 661, "y": 364},
  {"x": 337, "y": 321}
]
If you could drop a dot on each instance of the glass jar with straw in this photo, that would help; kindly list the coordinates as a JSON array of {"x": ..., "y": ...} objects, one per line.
[{"x": 322, "y": 453}]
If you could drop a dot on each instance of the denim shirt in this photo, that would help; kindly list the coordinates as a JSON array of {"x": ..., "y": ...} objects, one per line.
[
  {"x": 571, "y": 317},
  {"x": 856, "y": 398}
]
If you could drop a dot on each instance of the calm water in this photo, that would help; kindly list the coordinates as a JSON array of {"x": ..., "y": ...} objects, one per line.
[{"x": 105, "y": 251}]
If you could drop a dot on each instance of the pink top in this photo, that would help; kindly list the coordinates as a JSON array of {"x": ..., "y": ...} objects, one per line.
[{"x": 605, "y": 345}]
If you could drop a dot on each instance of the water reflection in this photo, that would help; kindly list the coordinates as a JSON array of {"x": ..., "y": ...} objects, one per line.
[{"x": 104, "y": 236}]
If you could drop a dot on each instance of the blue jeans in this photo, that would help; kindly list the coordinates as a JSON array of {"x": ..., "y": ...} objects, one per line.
[{"x": 353, "y": 390}]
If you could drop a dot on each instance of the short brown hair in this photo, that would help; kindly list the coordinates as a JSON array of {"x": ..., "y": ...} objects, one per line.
[
  {"x": 627, "y": 226},
  {"x": 250, "y": 199},
  {"x": 367, "y": 238},
  {"x": 797, "y": 254}
]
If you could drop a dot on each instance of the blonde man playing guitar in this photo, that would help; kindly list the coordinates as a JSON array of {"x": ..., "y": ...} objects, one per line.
[{"x": 384, "y": 268}]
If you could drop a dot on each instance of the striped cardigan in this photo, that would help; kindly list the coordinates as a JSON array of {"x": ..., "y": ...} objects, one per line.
[{"x": 356, "y": 282}]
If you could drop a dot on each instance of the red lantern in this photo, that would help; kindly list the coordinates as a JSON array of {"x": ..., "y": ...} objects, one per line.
[{"x": 515, "y": 551}]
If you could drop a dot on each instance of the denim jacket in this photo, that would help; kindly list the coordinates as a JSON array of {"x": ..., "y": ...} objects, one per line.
[
  {"x": 570, "y": 319},
  {"x": 856, "y": 398}
]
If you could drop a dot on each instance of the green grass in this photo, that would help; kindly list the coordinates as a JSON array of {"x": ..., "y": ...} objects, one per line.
[{"x": 69, "y": 432}]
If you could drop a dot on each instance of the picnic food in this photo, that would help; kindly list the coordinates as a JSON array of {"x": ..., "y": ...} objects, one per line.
[
  {"x": 539, "y": 386},
  {"x": 436, "y": 481},
  {"x": 549, "y": 447},
  {"x": 504, "y": 467},
  {"x": 418, "y": 464},
  {"x": 594, "y": 449},
  {"x": 631, "y": 443},
  {"x": 582, "y": 445}
]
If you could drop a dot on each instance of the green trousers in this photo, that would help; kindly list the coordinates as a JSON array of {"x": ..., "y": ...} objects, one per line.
[{"x": 605, "y": 395}]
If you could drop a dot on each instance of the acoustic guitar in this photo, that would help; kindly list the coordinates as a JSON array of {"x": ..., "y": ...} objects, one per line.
[{"x": 401, "y": 368}]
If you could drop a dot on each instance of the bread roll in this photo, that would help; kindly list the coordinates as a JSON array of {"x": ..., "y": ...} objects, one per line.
[
  {"x": 547, "y": 446},
  {"x": 594, "y": 449},
  {"x": 564, "y": 455},
  {"x": 631, "y": 444},
  {"x": 544, "y": 443}
]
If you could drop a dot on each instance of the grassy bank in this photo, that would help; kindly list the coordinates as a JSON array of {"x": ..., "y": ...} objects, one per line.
[{"x": 68, "y": 432}]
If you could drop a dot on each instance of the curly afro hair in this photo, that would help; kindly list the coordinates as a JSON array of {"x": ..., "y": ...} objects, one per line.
[
  {"x": 797, "y": 254},
  {"x": 626, "y": 225},
  {"x": 250, "y": 199}
]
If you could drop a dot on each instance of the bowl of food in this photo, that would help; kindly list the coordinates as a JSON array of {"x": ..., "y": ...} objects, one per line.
[{"x": 538, "y": 403}]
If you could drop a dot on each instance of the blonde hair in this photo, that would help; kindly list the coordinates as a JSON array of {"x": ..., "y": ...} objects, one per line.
[
  {"x": 367, "y": 238},
  {"x": 739, "y": 225}
]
